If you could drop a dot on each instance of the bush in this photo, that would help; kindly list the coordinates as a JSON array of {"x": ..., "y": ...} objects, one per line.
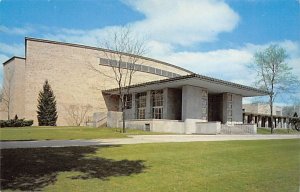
[{"x": 16, "y": 123}]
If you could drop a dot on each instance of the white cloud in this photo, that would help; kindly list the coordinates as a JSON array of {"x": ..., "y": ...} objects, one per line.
[
  {"x": 184, "y": 22},
  {"x": 16, "y": 30},
  {"x": 173, "y": 22},
  {"x": 227, "y": 64},
  {"x": 13, "y": 49}
]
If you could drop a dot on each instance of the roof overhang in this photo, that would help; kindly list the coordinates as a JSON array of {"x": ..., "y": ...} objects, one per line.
[{"x": 214, "y": 86}]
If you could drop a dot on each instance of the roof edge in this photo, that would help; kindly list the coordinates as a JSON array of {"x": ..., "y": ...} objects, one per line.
[
  {"x": 12, "y": 58},
  {"x": 102, "y": 49},
  {"x": 194, "y": 75}
]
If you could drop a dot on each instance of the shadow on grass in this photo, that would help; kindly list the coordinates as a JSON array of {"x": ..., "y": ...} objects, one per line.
[
  {"x": 33, "y": 169},
  {"x": 18, "y": 140}
]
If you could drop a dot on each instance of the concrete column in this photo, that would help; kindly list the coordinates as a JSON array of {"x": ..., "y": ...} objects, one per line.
[
  {"x": 246, "y": 119},
  {"x": 267, "y": 122},
  {"x": 279, "y": 122},
  {"x": 191, "y": 102},
  {"x": 284, "y": 122},
  {"x": 225, "y": 108},
  {"x": 258, "y": 121},
  {"x": 148, "y": 112},
  {"x": 252, "y": 119},
  {"x": 133, "y": 108},
  {"x": 165, "y": 103}
]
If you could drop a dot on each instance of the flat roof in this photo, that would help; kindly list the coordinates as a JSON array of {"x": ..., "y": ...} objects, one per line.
[
  {"x": 101, "y": 49},
  {"x": 214, "y": 86},
  {"x": 268, "y": 115},
  {"x": 12, "y": 58}
]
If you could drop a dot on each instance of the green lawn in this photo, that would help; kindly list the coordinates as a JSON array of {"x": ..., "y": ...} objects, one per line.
[
  {"x": 277, "y": 131},
  {"x": 269, "y": 165},
  {"x": 61, "y": 133}
]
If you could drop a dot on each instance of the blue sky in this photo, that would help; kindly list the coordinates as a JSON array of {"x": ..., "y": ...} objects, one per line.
[{"x": 211, "y": 37}]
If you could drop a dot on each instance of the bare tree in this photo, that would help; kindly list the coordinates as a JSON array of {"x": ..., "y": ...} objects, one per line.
[
  {"x": 77, "y": 114},
  {"x": 7, "y": 92},
  {"x": 123, "y": 52},
  {"x": 274, "y": 75}
]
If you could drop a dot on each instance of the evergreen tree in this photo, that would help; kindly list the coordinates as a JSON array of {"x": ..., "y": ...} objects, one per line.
[{"x": 47, "y": 114}]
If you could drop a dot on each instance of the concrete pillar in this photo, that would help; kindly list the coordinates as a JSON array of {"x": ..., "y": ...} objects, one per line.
[
  {"x": 267, "y": 122},
  {"x": 281, "y": 123},
  {"x": 252, "y": 119},
  {"x": 224, "y": 109},
  {"x": 165, "y": 103},
  {"x": 133, "y": 106},
  {"x": 148, "y": 111},
  {"x": 284, "y": 123},
  {"x": 191, "y": 102},
  {"x": 258, "y": 121}
]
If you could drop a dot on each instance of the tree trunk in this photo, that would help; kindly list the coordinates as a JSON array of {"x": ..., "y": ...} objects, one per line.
[
  {"x": 123, "y": 118},
  {"x": 272, "y": 120},
  {"x": 8, "y": 115}
]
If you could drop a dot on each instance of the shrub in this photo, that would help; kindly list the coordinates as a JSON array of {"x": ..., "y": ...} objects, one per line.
[{"x": 16, "y": 123}]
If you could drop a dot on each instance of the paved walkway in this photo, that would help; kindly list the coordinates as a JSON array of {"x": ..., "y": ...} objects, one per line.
[{"x": 135, "y": 139}]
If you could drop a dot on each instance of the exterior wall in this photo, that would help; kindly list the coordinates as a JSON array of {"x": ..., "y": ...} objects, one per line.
[
  {"x": 192, "y": 102},
  {"x": 14, "y": 80},
  {"x": 67, "y": 70}
]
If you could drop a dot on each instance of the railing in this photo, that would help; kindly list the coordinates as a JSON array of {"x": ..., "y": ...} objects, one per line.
[{"x": 97, "y": 121}]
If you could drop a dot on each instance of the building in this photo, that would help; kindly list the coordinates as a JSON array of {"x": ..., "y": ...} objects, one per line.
[
  {"x": 260, "y": 114},
  {"x": 160, "y": 90},
  {"x": 262, "y": 108}
]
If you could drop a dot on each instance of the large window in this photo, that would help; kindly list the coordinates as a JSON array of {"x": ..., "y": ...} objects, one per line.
[
  {"x": 128, "y": 101},
  {"x": 141, "y": 105},
  {"x": 157, "y": 104}
]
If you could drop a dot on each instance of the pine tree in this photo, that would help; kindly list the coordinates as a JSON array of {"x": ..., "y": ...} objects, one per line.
[{"x": 47, "y": 114}]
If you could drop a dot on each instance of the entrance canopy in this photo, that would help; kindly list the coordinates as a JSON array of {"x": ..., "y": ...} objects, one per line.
[{"x": 213, "y": 86}]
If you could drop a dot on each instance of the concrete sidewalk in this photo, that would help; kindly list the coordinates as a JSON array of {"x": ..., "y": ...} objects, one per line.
[{"x": 136, "y": 139}]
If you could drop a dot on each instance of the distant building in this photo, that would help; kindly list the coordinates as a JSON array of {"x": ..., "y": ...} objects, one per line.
[
  {"x": 260, "y": 108},
  {"x": 260, "y": 114},
  {"x": 291, "y": 110}
]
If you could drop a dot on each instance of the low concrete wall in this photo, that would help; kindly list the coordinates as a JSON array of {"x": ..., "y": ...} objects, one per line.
[
  {"x": 156, "y": 125},
  {"x": 208, "y": 128},
  {"x": 189, "y": 126},
  {"x": 114, "y": 119},
  {"x": 239, "y": 129}
]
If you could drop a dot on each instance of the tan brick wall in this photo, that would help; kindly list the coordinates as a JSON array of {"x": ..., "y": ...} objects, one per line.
[
  {"x": 14, "y": 79},
  {"x": 67, "y": 70}
]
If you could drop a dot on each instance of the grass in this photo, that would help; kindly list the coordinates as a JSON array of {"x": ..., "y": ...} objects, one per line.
[
  {"x": 64, "y": 133},
  {"x": 265, "y": 165},
  {"x": 277, "y": 131}
]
